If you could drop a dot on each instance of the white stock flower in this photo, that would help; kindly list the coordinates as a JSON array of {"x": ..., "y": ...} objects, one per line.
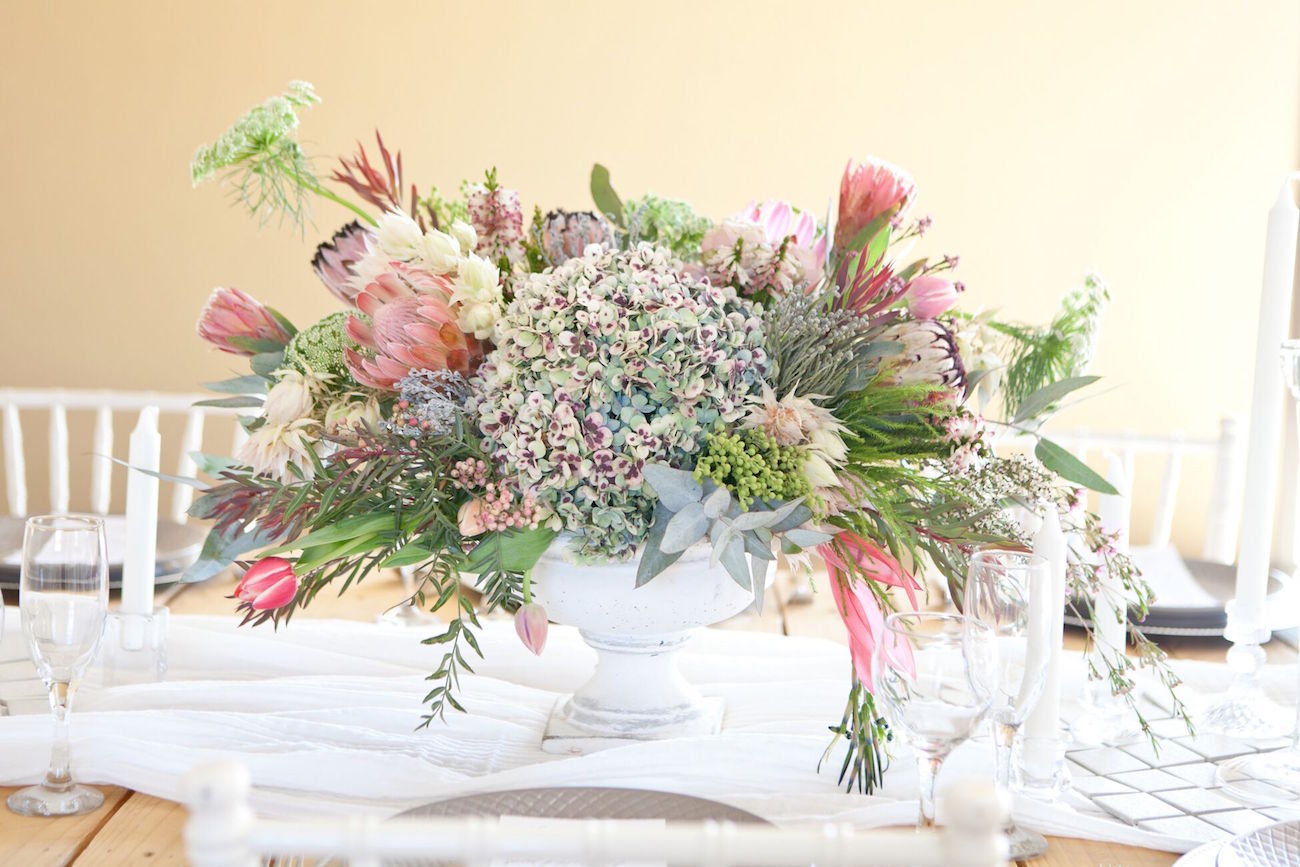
[
  {"x": 289, "y": 400},
  {"x": 476, "y": 292}
]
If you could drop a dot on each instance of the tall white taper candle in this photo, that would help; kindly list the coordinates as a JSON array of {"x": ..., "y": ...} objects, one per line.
[
  {"x": 1110, "y": 608},
  {"x": 1049, "y": 543},
  {"x": 138, "y": 560},
  {"x": 1246, "y": 615}
]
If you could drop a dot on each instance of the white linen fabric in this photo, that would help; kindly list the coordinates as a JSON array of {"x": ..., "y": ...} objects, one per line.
[{"x": 324, "y": 714}]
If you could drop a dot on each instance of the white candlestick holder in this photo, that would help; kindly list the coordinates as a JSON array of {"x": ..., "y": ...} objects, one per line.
[
  {"x": 1041, "y": 771},
  {"x": 135, "y": 648}
]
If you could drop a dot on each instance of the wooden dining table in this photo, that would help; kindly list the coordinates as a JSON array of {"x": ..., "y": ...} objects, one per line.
[{"x": 136, "y": 829}]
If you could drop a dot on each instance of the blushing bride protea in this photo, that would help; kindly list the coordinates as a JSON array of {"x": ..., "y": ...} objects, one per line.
[{"x": 798, "y": 421}]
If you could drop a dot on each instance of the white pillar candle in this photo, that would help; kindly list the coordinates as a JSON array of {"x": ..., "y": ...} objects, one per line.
[
  {"x": 1049, "y": 543},
  {"x": 138, "y": 560},
  {"x": 1110, "y": 607},
  {"x": 1246, "y": 615}
]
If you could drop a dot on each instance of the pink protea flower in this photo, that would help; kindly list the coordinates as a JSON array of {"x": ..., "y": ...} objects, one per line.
[
  {"x": 856, "y": 603},
  {"x": 531, "y": 626},
  {"x": 867, "y": 190},
  {"x": 233, "y": 321},
  {"x": 335, "y": 260},
  {"x": 412, "y": 327},
  {"x": 930, "y": 295},
  {"x": 268, "y": 584}
]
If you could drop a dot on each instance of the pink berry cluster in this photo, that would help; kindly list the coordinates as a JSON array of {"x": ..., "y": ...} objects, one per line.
[
  {"x": 504, "y": 509},
  {"x": 469, "y": 474}
]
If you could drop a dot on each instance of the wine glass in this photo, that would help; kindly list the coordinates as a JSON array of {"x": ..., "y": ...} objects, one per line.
[
  {"x": 933, "y": 674},
  {"x": 1009, "y": 591},
  {"x": 63, "y": 598}
]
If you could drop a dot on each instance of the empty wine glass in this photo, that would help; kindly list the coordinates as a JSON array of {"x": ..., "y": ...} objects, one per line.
[
  {"x": 1009, "y": 591},
  {"x": 933, "y": 675},
  {"x": 63, "y": 598}
]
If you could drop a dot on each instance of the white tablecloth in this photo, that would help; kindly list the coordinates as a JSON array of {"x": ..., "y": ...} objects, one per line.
[{"x": 323, "y": 713}]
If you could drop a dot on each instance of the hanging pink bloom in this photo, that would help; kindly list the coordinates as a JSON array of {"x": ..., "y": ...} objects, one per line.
[
  {"x": 335, "y": 260},
  {"x": 230, "y": 318},
  {"x": 857, "y": 603},
  {"x": 268, "y": 584},
  {"x": 930, "y": 295},
  {"x": 412, "y": 327},
  {"x": 531, "y": 626},
  {"x": 867, "y": 190}
]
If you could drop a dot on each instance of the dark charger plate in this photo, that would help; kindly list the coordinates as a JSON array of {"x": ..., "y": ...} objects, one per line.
[
  {"x": 1205, "y": 621},
  {"x": 178, "y": 547}
]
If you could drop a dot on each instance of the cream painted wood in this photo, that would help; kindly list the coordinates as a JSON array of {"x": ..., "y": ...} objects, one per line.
[
  {"x": 58, "y": 403},
  {"x": 223, "y": 832},
  {"x": 1223, "y": 516}
]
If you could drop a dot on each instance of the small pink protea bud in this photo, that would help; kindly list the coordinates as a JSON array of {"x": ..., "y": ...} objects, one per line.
[
  {"x": 231, "y": 319},
  {"x": 268, "y": 584},
  {"x": 531, "y": 624},
  {"x": 929, "y": 296}
]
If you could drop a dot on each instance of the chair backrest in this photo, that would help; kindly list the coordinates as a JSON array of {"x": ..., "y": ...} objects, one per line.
[
  {"x": 103, "y": 404},
  {"x": 223, "y": 832},
  {"x": 1226, "y": 450}
]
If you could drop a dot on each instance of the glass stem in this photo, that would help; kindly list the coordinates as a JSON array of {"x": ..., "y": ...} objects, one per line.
[
  {"x": 928, "y": 767},
  {"x": 59, "y": 776},
  {"x": 1004, "y": 737}
]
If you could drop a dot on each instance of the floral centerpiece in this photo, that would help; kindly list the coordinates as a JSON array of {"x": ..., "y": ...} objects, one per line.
[{"x": 626, "y": 385}]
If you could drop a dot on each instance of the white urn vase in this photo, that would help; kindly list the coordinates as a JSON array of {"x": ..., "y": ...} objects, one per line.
[{"x": 636, "y": 691}]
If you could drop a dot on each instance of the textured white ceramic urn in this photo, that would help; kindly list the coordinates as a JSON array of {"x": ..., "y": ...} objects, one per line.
[{"x": 636, "y": 692}]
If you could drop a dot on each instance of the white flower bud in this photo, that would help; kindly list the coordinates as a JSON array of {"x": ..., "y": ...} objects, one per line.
[
  {"x": 465, "y": 236},
  {"x": 290, "y": 399}
]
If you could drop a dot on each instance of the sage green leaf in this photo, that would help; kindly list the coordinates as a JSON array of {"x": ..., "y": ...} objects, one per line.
[
  {"x": 602, "y": 193},
  {"x": 674, "y": 488},
  {"x": 733, "y": 560},
  {"x": 758, "y": 581},
  {"x": 1038, "y": 401},
  {"x": 806, "y": 538},
  {"x": 409, "y": 555},
  {"x": 1070, "y": 468},
  {"x": 716, "y": 503},
  {"x": 250, "y": 384},
  {"x": 266, "y": 363},
  {"x": 685, "y": 528},
  {"x": 653, "y": 559},
  {"x": 237, "y": 402},
  {"x": 758, "y": 547}
]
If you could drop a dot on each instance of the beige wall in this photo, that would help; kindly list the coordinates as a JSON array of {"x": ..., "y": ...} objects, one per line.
[{"x": 1143, "y": 139}]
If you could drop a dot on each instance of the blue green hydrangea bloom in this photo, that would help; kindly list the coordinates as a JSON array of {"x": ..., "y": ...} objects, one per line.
[{"x": 608, "y": 362}]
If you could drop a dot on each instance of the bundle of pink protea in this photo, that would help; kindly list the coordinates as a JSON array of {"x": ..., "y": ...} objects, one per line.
[{"x": 628, "y": 382}]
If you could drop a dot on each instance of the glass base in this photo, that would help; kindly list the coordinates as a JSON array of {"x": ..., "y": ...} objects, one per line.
[
  {"x": 1025, "y": 844},
  {"x": 42, "y": 801},
  {"x": 1271, "y": 779},
  {"x": 1246, "y": 713}
]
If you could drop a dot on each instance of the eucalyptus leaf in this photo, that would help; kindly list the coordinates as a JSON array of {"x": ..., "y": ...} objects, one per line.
[
  {"x": 758, "y": 580},
  {"x": 654, "y": 561},
  {"x": 166, "y": 477},
  {"x": 796, "y": 517},
  {"x": 758, "y": 547},
  {"x": 238, "y": 402},
  {"x": 716, "y": 503},
  {"x": 806, "y": 538},
  {"x": 685, "y": 528},
  {"x": 1037, "y": 402},
  {"x": 733, "y": 560},
  {"x": 721, "y": 540},
  {"x": 675, "y": 488},
  {"x": 239, "y": 385},
  {"x": 266, "y": 363},
  {"x": 602, "y": 193},
  {"x": 1070, "y": 468}
]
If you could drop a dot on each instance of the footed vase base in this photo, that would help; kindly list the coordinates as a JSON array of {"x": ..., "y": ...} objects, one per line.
[{"x": 566, "y": 735}]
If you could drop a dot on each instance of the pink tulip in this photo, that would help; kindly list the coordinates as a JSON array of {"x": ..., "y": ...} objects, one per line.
[
  {"x": 470, "y": 518},
  {"x": 531, "y": 625},
  {"x": 929, "y": 296},
  {"x": 857, "y": 603},
  {"x": 231, "y": 316},
  {"x": 268, "y": 584},
  {"x": 866, "y": 192}
]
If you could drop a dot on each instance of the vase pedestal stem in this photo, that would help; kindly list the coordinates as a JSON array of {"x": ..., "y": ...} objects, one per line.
[{"x": 635, "y": 694}]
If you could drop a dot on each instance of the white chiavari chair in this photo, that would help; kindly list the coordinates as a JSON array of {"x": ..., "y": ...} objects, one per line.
[
  {"x": 223, "y": 832},
  {"x": 16, "y": 404}
]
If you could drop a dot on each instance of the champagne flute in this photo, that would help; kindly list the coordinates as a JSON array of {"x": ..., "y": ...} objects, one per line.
[
  {"x": 933, "y": 674},
  {"x": 63, "y": 598},
  {"x": 1008, "y": 591}
]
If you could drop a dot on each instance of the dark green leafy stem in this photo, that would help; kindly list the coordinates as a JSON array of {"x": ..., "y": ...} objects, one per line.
[{"x": 866, "y": 736}]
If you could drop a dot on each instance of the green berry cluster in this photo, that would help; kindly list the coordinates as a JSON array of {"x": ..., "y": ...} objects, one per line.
[
  {"x": 319, "y": 348},
  {"x": 753, "y": 466}
]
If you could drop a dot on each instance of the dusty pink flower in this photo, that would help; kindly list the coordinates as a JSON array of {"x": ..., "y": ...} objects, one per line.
[
  {"x": 807, "y": 242},
  {"x": 867, "y": 190},
  {"x": 412, "y": 327},
  {"x": 268, "y": 584},
  {"x": 335, "y": 260},
  {"x": 930, "y": 295},
  {"x": 857, "y": 603},
  {"x": 531, "y": 625},
  {"x": 231, "y": 319}
]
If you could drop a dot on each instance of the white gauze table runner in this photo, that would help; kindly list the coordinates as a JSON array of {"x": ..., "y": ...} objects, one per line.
[{"x": 324, "y": 715}]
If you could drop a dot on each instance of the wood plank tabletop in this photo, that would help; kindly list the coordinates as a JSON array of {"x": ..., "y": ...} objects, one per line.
[{"x": 136, "y": 829}]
